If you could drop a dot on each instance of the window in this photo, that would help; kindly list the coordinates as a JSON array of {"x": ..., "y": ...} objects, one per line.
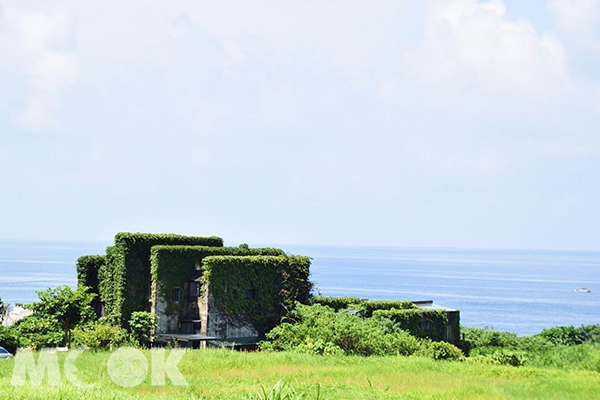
[
  {"x": 194, "y": 290},
  {"x": 424, "y": 325},
  {"x": 176, "y": 295},
  {"x": 250, "y": 294},
  {"x": 190, "y": 327}
]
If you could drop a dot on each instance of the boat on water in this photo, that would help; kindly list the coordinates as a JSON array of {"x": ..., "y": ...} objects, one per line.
[{"x": 583, "y": 290}]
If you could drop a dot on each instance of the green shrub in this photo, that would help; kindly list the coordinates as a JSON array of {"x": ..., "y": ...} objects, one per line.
[
  {"x": 319, "y": 329},
  {"x": 513, "y": 359},
  {"x": 40, "y": 331},
  {"x": 487, "y": 337},
  {"x": 100, "y": 335},
  {"x": 444, "y": 351},
  {"x": 592, "y": 332},
  {"x": 66, "y": 306},
  {"x": 565, "y": 335},
  {"x": 142, "y": 325},
  {"x": 9, "y": 338}
]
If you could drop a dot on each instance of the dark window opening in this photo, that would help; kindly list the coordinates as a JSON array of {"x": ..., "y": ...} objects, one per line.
[
  {"x": 250, "y": 294},
  {"x": 190, "y": 327},
  {"x": 424, "y": 325},
  {"x": 194, "y": 290},
  {"x": 176, "y": 295}
]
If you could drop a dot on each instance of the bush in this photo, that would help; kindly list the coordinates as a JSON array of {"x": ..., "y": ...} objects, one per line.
[
  {"x": 513, "y": 359},
  {"x": 9, "y": 338},
  {"x": 100, "y": 335},
  {"x": 142, "y": 325},
  {"x": 66, "y": 307},
  {"x": 565, "y": 335},
  {"x": 487, "y": 337},
  {"x": 320, "y": 330},
  {"x": 38, "y": 332},
  {"x": 444, "y": 351}
]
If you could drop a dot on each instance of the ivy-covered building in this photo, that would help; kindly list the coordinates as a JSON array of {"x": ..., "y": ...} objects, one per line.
[{"x": 197, "y": 287}]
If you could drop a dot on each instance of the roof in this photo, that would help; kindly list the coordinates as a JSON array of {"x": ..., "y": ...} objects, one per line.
[{"x": 428, "y": 305}]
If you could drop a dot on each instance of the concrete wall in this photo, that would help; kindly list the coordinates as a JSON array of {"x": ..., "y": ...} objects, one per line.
[
  {"x": 218, "y": 324},
  {"x": 158, "y": 306}
]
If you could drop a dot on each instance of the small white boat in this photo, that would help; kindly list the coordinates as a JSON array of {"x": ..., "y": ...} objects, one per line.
[{"x": 583, "y": 290}]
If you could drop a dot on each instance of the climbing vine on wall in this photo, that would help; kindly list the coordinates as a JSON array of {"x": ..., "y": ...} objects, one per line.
[
  {"x": 418, "y": 322},
  {"x": 87, "y": 271},
  {"x": 124, "y": 280},
  {"x": 172, "y": 266},
  {"x": 260, "y": 289}
]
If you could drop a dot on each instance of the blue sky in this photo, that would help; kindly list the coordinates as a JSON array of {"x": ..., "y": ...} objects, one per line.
[{"x": 451, "y": 123}]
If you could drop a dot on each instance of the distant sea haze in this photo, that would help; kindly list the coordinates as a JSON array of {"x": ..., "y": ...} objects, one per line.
[{"x": 523, "y": 291}]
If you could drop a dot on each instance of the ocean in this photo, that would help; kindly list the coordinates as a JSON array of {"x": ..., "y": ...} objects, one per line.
[{"x": 522, "y": 291}]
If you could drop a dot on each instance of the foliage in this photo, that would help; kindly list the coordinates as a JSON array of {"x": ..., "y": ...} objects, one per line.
[
  {"x": 173, "y": 266},
  {"x": 373, "y": 305},
  {"x": 69, "y": 308},
  {"x": 478, "y": 338},
  {"x": 276, "y": 283},
  {"x": 319, "y": 329},
  {"x": 421, "y": 323},
  {"x": 555, "y": 347},
  {"x": 337, "y": 303},
  {"x": 9, "y": 338},
  {"x": 565, "y": 335},
  {"x": 142, "y": 325},
  {"x": 444, "y": 351},
  {"x": 514, "y": 359},
  {"x": 40, "y": 331},
  {"x": 87, "y": 271},
  {"x": 125, "y": 278},
  {"x": 100, "y": 335},
  {"x": 3, "y": 310}
]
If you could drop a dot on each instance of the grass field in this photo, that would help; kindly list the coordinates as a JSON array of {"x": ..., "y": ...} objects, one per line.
[{"x": 224, "y": 374}]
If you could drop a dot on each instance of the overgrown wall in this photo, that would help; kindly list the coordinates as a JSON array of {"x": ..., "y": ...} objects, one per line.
[
  {"x": 87, "y": 271},
  {"x": 277, "y": 283},
  {"x": 437, "y": 325},
  {"x": 125, "y": 278},
  {"x": 172, "y": 266}
]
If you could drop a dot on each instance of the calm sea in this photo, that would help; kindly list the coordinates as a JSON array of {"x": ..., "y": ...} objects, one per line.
[{"x": 522, "y": 291}]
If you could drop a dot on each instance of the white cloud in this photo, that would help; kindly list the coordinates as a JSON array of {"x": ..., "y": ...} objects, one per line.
[
  {"x": 579, "y": 21},
  {"x": 36, "y": 46},
  {"x": 466, "y": 40}
]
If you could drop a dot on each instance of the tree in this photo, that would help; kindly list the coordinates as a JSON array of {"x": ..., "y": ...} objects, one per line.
[
  {"x": 67, "y": 307},
  {"x": 3, "y": 310}
]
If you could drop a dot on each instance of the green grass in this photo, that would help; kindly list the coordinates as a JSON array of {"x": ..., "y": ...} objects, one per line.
[{"x": 224, "y": 374}]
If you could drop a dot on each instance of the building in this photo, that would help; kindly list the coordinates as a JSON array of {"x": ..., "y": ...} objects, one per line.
[{"x": 200, "y": 289}]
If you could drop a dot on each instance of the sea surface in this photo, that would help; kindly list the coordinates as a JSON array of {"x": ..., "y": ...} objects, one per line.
[{"x": 523, "y": 291}]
